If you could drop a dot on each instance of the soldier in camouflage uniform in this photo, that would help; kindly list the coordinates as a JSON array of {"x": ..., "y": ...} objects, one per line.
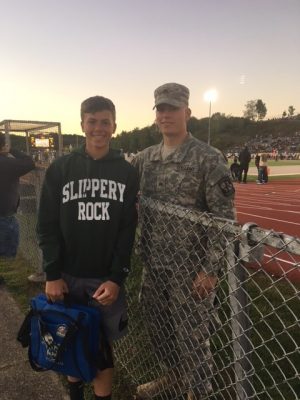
[{"x": 181, "y": 271}]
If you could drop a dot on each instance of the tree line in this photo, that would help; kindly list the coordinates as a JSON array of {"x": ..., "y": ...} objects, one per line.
[
  {"x": 226, "y": 131},
  {"x": 256, "y": 110}
]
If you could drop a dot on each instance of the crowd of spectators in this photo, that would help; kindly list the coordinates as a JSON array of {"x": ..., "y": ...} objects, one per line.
[{"x": 277, "y": 148}]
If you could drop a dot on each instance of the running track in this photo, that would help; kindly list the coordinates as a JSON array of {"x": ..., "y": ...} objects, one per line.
[{"x": 275, "y": 206}]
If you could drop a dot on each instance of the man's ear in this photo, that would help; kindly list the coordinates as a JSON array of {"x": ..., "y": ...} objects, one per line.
[
  {"x": 81, "y": 124},
  {"x": 115, "y": 129},
  {"x": 188, "y": 113}
]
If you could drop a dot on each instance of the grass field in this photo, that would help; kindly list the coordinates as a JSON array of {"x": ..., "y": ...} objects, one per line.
[
  {"x": 279, "y": 163},
  {"x": 289, "y": 167}
]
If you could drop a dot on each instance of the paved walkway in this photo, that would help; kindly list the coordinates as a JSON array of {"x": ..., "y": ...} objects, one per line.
[{"x": 17, "y": 379}]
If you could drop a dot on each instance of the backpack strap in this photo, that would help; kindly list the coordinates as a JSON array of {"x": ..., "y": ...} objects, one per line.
[
  {"x": 104, "y": 358},
  {"x": 23, "y": 335}
]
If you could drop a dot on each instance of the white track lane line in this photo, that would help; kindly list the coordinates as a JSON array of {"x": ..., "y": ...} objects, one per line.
[
  {"x": 272, "y": 201},
  {"x": 252, "y": 206},
  {"x": 282, "y": 260},
  {"x": 271, "y": 219}
]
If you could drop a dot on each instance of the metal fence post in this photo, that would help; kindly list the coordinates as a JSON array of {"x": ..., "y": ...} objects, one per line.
[{"x": 240, "y": 324}]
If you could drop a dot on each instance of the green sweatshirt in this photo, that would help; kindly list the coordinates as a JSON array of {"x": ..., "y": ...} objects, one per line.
[{"x": 87, "y": 216}]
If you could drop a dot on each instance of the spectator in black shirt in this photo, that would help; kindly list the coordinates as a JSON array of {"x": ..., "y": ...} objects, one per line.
[
  {"x": 235, "y": 169},
  {"x": 257, "y": 161},
  {"x": 13, "y": 164},
  {"x": 244, "y": 159}
]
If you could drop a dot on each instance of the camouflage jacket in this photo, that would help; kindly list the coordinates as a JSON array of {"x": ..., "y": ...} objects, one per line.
[{"x": 194, "y": 176}]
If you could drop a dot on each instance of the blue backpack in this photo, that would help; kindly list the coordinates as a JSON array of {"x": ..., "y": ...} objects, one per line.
[{"x": 66, "y": 338}]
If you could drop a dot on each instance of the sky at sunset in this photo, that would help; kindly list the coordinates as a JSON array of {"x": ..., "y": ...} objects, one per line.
[{"x": 56, "y": 53}]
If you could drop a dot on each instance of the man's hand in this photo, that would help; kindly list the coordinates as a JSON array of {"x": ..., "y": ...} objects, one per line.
[
  {"x": 55, "y": 290},
  {"x": 107, "y": 293},
  {"x": 204, "y": 284}
]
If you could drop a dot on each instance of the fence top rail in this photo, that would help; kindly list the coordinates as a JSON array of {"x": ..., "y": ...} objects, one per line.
[
  {"x": 14, "y": 125},
  {"x": 254, "y": 234}
]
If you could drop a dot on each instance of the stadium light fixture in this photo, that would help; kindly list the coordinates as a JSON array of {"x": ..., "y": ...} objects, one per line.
[{"x": 210, "y": 96}]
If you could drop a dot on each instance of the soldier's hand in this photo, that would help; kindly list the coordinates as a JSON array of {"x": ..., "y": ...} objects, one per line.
[
  {"x": 204, "y": 284},
  {"x": 55, "y": 290}
]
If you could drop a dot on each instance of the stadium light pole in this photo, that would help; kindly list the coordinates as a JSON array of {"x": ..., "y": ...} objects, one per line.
[{"x": 210, "y": 96}]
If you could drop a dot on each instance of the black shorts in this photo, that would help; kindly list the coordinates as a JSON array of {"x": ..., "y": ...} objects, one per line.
[{"x": 114, "y": 316}]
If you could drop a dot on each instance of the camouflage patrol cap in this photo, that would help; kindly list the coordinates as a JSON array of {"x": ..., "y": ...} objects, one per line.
[{"x": 172, "y": 93}]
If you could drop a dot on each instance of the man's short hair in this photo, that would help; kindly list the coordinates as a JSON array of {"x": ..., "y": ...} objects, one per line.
[
  {"x": 2, "y": 140},
  {"x": 97, "y": 103}
]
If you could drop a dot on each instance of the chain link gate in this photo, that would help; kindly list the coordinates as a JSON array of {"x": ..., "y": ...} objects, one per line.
[{"x": 241, "y": 341}]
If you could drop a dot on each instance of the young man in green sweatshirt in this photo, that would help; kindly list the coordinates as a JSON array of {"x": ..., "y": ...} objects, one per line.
[{"x": 86, "y": 226}]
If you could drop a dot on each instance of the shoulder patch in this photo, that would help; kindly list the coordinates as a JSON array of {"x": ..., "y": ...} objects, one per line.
[{"x": 226, "y": 186}]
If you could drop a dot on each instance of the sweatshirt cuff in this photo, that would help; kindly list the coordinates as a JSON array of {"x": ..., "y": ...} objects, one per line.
[
  {"x": 119, "y": 276},
  {"x": 53, "y": 276}
]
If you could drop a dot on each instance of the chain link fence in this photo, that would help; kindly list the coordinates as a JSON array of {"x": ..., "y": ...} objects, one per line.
[
  {"x": 242, "y": 340},
  {"x": 239, "y": 342}
]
